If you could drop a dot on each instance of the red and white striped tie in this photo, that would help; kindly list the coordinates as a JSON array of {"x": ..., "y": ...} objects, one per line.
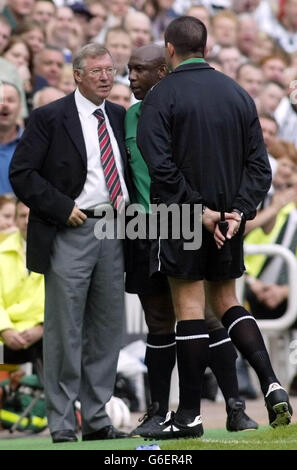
[{"x": 108, "y": 163}]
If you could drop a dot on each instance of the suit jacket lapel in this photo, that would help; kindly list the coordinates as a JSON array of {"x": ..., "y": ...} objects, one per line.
[{"x": 73, "y": 127}]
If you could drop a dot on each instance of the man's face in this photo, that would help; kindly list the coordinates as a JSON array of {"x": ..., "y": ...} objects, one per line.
[
  {"x": 35, "y": 39},
  {"x": 120, "y": 47},
  {"x": 49, "y": 65},
  {"x": 119, "y": 7},
  {"x": 64, "y": 20},
  {"x": 225, "y": 31},
  {"x": 274, "y": 69},
  {"x": 21, "y": 7},
  {"x": 5, "y": 32},
  {"x": 285, "y": 170},
  {"x": 43, "y": 12},
  {"x": 21, "y": 219},
  {"x": 140, "y": 32},
  {"x": 142, "y": 75},
  {"x": 270, "y": 98},
  {"x": 100, "y": 16},
  {"x": 251, "y": 79},
  {"x": 269, "y": 130},
  {"x": 230, "y": 59},
  {"x": 120, "y": 94},
  {"x": 10, "y": 107},
  {"x": 96, "y": 79}
]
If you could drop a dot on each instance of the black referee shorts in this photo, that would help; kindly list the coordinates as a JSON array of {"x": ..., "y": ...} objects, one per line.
[
  {"x": 170, "y": 258},
  {"x": 138, "y": 280}
]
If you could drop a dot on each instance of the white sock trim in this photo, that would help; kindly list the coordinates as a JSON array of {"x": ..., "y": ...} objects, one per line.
[
  {"x": 214, "y": 345},
  {"x": 163, "y": 346},
  {"x": 179, "y": 338},
  {"x": 246, "y": 317}
]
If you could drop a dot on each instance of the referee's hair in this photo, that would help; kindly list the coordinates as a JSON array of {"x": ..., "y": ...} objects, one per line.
[{"x": 188, "y": 35}]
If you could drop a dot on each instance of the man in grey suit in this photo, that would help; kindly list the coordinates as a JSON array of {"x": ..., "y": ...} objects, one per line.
[{"x": 70, "y": 162}]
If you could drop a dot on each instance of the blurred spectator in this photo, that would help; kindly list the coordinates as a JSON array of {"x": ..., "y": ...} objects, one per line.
[
  {"x": 20, "y": 54},
  {"x": 49, "y": 64},
  {"x": 269, "y": 97},
  {"x": 17, "y": 10},
  {"x": 264, "y": 46},
  {"x": 273, "y": 67},
  {"x": 43, "y": 11},
  {"x": 164, "y": 14},
  {"x": 118, "y": 10},
  {"x": 201, "y": 13},
  {"x": 97, "y": 25},
  {"x": 33, "y": 34},
  {"x": 284, "y": 29},
  {"x": 250, "y": 76},
  {"x": 224, "y": 28},
  {"x": 83, "y": 17},
  {"x": 120, "y": 94},
  {"x": 10, "y": 132},
  {"x": 230, "y": 58},
  {"x": 21, "y": 297},
  {"x": 7, "y": 215},
  {"x": 286, "y": 113},
  {"x": 268, "y": 289},
  {"x": 119, "y": 44},
  {"x": 247, "y": 34},
  {"x": 9, "y": 73},
  {"x": 139, "y": 27},
  {"x": 5, "y": 32},
  {"x": 65, "y": 32},
  {"x": 269, "y": 129},
  {"x": 67, "y": 83},
  {"x": 46, "y": 95}
]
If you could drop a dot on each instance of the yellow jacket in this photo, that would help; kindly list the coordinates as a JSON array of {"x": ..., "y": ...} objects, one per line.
[{"x": 21, "y": 293}]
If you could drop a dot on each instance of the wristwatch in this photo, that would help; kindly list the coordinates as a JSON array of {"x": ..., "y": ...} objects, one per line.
[{"x": 239, "y": 212}]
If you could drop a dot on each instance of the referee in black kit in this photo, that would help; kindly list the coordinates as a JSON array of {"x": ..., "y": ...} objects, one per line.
[{"x": 204, "y": 139}]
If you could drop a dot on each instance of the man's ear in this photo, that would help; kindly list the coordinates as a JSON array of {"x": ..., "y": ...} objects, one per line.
[
  {"x": 170, "y": 49},
  {"x": 77, "y": 76},
  {"x": 162, "y": 71}
]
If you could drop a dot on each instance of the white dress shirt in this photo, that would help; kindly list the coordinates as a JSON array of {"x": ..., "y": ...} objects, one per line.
[{"x": 95, "y": 191}]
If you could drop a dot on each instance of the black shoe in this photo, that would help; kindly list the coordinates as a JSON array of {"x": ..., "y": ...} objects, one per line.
[
  {"x": 64, "y": 436},
  {"x": 237, "y": 419},
  {"x": 278, "y": 406},
  {"x": 152, "y": 424},
  {"x": 188, "y": 428},
  {"x": 108, "y": 432}
]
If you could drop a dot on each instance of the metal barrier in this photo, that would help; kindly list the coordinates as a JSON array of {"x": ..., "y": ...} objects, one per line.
[{"x": 277, "y": 331}]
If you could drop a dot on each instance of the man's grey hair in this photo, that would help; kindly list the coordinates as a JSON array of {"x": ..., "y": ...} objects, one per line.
[{"x": 89, "y": 50}]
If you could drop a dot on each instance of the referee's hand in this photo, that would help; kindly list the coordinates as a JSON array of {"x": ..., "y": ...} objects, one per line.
[{"x": 77, "y": 217}]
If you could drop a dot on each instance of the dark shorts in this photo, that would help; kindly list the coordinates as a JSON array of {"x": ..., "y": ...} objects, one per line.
[
  {"x": 170, "y": 258},
  {"x": 138, "y": 280},
  {"x": 21, "y": 356}
]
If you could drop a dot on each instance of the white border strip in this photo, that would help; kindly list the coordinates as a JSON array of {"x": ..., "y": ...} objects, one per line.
[
  {"x": 247, "y": 317},
  {"x": 191, "y": 337},
  {"x": 163, "y": 346},
  {"x": 213, "y": 345}
]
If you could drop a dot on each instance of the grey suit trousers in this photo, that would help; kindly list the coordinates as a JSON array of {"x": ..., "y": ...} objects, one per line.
[{"x": 84, "y": 311}]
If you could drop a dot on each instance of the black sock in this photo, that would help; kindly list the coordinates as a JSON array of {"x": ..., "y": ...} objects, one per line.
[
  {"x": 192, "y": 350},
  {"x": 160, "y": 360},
  {"x": 246, "y": 336},
  {"x": 222, "y": 362}
]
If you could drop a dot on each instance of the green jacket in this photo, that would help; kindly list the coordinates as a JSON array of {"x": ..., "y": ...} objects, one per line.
[{"x": 140, "y": 175}]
